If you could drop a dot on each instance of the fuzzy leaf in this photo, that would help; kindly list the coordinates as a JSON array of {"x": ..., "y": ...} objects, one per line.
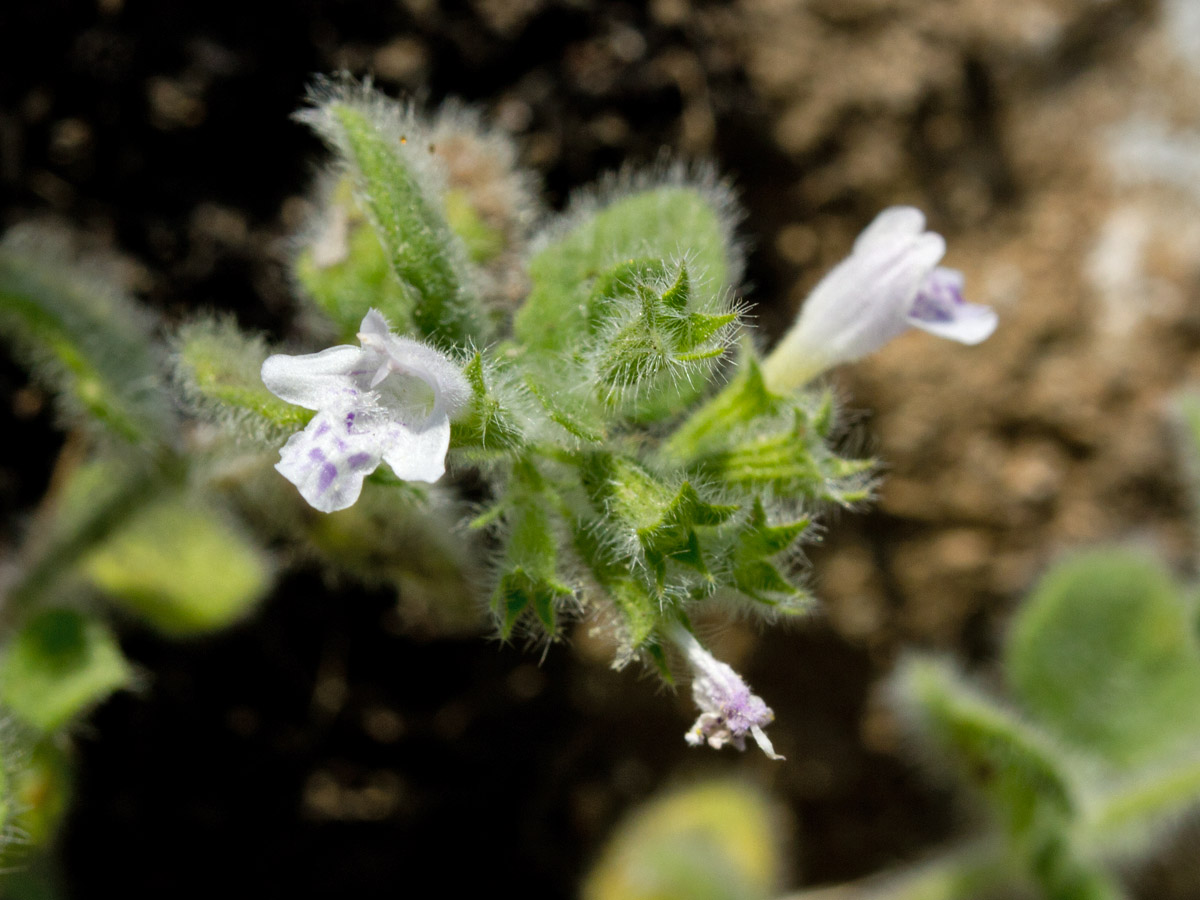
[
  {"x": 345, "y": 270},
  {"x": 181, "y": 566},
  {"x": 58, "y": 665},
  {"x": 743, "y": 401},
  {"x": 419, "y": 245},
  {"x": 84, "y": 337},
  {"x": 674, "y": 221},
  {"x": 792, "y": 461},
  {"x": 1103, "y": 653},
  {"x": 662, "y": 521},
  {"x": 1010, "y": 761},
  {"x": 219, "y": 368}
]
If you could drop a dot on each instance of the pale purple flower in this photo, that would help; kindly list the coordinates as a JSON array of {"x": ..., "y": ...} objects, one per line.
[
  {"x": 890, "y": 282},
  {"x": 728, "y": 710},
  {"x": 390, "y": 400}
]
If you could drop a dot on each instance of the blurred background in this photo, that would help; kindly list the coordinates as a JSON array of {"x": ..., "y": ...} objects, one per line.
[{"x": 349, "y": 740}]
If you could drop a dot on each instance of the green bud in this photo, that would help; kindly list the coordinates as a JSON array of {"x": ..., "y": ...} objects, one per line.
[
  {"x": 490, "y": 426},
  {"x": 528, "y": 576},
  {"x": 652, "y": 346},
  {"x": 753, "y": 571},
  {"x": 662, "y": 520}
]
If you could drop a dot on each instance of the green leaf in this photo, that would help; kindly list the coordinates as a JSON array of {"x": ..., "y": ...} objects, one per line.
[
  {"x": 422, "y": 250},
  {"x": 57, "y": 666},
  {"x": 182, "y": 566},
  {"x": 219, "y": 367},
  {"x": 673, "y": 221},
  {"x": 84, "y": 337},
  {"x": 1104, "y": 654},
  {"x": 563, "y": 417},
  {"x": 743, "y": 401},
  {"x": 1015, "y": 766},
  {"x": 344, "y": 268}
]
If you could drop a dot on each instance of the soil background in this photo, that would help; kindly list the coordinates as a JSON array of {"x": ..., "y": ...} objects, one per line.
[{"x": 332, "y": 745}]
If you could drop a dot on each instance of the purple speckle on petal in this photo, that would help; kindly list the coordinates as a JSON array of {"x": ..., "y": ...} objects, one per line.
[
  {"x": 328, "y": 473},
  {"x": 316, "y": 455},
  {"x": 358, "y": 460},
  {"x": 939, "y": 297},
  {"x": 349, "y": 421},
  {"x": 322, "y": 429}
]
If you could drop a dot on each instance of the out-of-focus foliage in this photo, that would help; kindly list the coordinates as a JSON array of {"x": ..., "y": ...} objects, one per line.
[{"x": 715, "y": 840}]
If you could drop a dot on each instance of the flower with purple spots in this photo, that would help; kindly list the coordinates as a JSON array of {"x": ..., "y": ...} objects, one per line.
[
  {"x": 890, "y": 282},
  {"x": 389, "y": 400},
  {"x": 728, "y": 710}
]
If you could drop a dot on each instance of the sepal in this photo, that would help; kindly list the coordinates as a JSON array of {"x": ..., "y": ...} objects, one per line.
[{"x": 528, "y": 571}]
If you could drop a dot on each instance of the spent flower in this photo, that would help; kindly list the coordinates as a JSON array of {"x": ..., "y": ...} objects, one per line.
[
  {"x": 728, "y": 709},
  {"x": 389, "y": 400},
  {"x": 890, "y": 282}
]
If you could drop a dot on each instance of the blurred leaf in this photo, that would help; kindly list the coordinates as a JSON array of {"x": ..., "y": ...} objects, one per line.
[
  {"x": 58, "y": 665},
  {"x": 182, "y": 566},
  {"x": 83, "y": 336},
  {"x": 716, "y": 840},
  {"x": 1016, "y": 768},
  {"x": 1105, "y": 655}
]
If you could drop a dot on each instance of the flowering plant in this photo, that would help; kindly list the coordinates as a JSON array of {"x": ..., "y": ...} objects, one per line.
[{"x": 574, "y": 399}]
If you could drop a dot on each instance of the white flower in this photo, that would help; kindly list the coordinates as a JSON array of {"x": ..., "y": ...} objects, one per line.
[
  {"x": 728, "y": 709},
  {"x": 890, "y": 282},
  {"x": 389, "y": 400}
]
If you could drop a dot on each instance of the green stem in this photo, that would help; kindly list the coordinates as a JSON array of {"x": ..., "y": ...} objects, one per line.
[{"x": 1171, "y": 791}]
